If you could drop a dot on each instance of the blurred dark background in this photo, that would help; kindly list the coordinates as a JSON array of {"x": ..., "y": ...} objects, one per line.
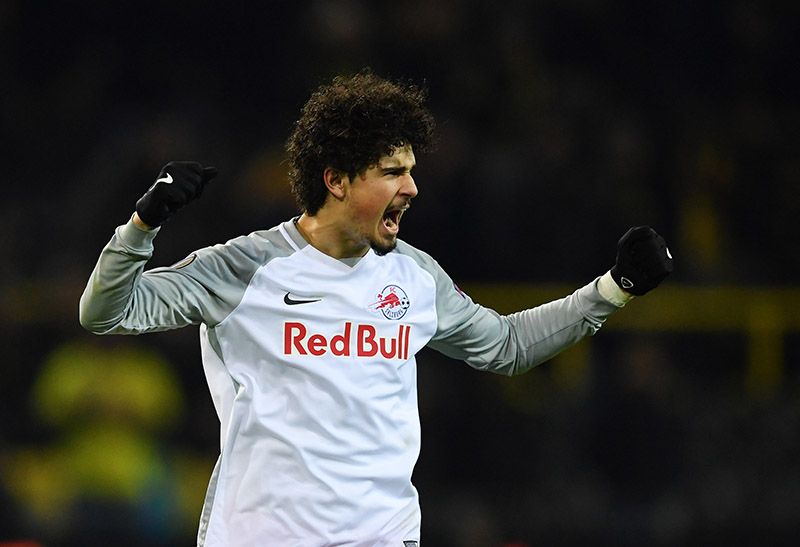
[{"x": 562, "y": 124}]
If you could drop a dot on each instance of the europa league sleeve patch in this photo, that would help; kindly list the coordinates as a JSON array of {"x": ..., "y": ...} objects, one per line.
[{"x": 185, "y": 262}]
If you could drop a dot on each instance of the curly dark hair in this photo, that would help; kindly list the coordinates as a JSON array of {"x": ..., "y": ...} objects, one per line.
[{"x": 349, "y": 126}]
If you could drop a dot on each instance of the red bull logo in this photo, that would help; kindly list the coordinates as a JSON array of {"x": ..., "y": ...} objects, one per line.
[
  {"x": 357, "y": 340},
  {"x": 392, "y": 302}
]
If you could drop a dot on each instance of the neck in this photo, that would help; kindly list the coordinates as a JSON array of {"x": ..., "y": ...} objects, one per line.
[{"x": 328, "y": 237}]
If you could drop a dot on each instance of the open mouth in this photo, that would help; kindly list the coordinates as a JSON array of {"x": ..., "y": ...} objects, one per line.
[{"x": 391, "y": 219}]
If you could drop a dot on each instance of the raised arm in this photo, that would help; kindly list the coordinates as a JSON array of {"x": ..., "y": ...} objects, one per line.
[
  {"x": 515, "y": 343},
  {"x": 115, "y": 298}
]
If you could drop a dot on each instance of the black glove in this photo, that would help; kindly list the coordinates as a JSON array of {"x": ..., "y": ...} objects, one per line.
[
  {"x": 178, "y": 183},
  {"x": 643, "y": 260}
]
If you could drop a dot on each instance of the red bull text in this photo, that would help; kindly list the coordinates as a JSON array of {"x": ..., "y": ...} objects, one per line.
[{"x": 366, "y": 343}]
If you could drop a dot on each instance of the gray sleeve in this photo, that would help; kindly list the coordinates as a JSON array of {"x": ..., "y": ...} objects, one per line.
[
  {"x": 121, "y": 298},
  {"x": 511, "y": 344}
]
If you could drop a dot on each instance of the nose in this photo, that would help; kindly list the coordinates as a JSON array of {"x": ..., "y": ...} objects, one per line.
[{"x": 409, "y": 187}]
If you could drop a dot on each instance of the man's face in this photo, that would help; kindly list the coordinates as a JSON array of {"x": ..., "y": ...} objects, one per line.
[{"x": 378, "y": 197}]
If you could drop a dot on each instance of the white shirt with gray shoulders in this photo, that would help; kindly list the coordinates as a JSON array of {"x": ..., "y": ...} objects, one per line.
[{"x": 311, "y": 364}]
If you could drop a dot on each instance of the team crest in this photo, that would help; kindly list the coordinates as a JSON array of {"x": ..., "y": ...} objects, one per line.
[{"x": 392, "y": 302}]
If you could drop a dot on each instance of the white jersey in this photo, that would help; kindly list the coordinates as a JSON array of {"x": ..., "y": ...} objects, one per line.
[{"x": 310, "y": 363}]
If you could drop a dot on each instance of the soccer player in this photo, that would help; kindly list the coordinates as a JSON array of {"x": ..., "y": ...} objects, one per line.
[{"x": 309, "y": 329}]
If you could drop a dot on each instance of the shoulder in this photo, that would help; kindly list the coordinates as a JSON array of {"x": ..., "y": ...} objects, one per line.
[
  {"x": 426, "y": 262},
  {"x": 423, "y": 259},
  {"x": 259, "y": 246},
  {"x": 239, "y": 257}
]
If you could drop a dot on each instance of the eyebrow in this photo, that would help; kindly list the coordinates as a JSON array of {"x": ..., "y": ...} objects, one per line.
[{"x": 397, "y": 169}]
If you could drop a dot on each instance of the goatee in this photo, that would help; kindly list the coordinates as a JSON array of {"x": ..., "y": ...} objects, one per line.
[{"x": 382, "y": 249}]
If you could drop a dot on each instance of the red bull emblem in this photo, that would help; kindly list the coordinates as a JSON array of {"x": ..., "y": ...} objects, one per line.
[{"x": 392, "y": 302}]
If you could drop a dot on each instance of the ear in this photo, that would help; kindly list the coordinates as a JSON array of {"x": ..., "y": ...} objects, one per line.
[{"x": 335, "y": 182}]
